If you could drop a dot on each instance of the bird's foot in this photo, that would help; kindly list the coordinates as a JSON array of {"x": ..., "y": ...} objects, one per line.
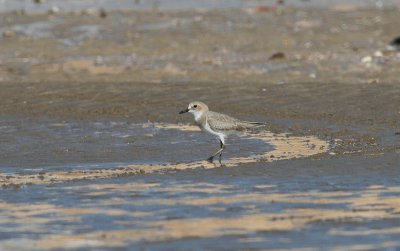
[{"x": 210, "y": 160}]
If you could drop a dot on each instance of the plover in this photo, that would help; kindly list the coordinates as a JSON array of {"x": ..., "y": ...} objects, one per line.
[{"x": 217, "y": 124}]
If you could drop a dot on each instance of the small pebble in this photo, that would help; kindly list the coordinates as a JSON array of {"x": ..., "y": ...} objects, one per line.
[
  {"x": 378, "y": 54},
  {"x": 54, "y": 9},
  {"x": 366, "y": 60},
  {"x": 103, "y": 13},
  {"x": 394, "y": 44},
  {"x": 373, "y": 81},
  {"x": 277, "y": 55},
  {"x": 8, "y": 33}
]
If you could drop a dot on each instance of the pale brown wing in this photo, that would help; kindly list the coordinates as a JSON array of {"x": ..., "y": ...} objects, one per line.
[{"x": 222, "y": 122}]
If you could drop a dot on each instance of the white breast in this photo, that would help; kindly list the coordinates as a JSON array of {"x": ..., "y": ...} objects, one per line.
[{"x": 220, "y": 135}]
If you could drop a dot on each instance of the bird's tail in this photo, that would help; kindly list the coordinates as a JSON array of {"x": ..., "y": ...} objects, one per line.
[{"x": 248, "y": 124}]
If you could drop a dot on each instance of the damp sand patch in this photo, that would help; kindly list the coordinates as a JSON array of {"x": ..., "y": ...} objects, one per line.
[
  {"x": 148, "y": 223},
  {"x": 284, "y": 147}
]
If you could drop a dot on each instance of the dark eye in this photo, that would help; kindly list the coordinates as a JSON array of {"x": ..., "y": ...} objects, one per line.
[{"x": 195, "y": 106}]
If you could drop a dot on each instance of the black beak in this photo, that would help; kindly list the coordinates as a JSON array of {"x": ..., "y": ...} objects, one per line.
[{"x": 184, "y": 111}]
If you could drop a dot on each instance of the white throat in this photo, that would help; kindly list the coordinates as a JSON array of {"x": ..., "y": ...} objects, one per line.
[{"x": 197, "y": 115}]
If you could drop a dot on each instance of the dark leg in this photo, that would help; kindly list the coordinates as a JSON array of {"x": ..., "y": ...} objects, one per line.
[
  {"x": 220, "y": 154},
  {"x": 222, "y": 147}
]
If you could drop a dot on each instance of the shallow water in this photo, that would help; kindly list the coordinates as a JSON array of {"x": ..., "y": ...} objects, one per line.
[
  {"x": 339, "y": 203},
  {"x": 32, "y": 143},
  {"x": 235, "y": 208},
  {"x": 92, "y": 150}
]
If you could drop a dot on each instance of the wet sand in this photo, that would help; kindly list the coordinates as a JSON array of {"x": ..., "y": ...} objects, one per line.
[{"x": 95, "y": 156}]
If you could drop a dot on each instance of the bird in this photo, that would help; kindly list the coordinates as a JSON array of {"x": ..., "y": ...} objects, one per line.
[{"x": 217, "y": 124}]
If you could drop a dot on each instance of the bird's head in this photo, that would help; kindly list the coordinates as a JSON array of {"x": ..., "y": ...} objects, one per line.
[{"x": 196, "y": 108}]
